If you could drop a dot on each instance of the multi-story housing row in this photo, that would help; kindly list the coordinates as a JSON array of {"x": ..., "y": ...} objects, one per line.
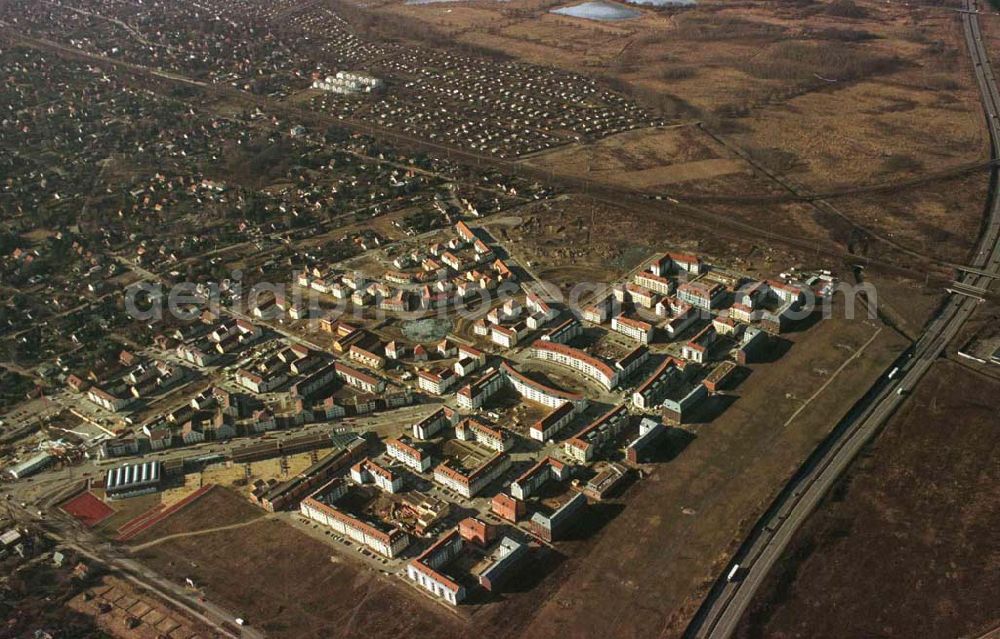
[
  {"x": 702, "y": 294},
  {"x": 605, "y": 429},
  {"x": 652, "y": 391},
  {"x": 551, "y": 527},
  {"x": 313, "y": 382},
  {"x": 631, "y": 362},
  {"x": 668, "y": 263},
  {"x": 469, "y": 360},
  {"x": 403, "y": 451},
  {"x": 698, "y": 347},
  {"x": 786, "y": 292},
  {"x": 495, "y": 438},
  {"x": 649, "y": 431},
  {"x": 432, "y": 424},
  {"x": 427, "y": 569},
  {"x": 470, "y": 483},
  {"x": 287, "y": 494},
  {"x": 675, "y": 409},
  {"x": 507, "y": 508},
  {"x": 655, "y": 283},
  {"x": 437, "y": 382},
  {"x": 506, "y": 336},
  {"x": 359, "y": 379},
  {"x": 753, "y": 295},
  {"x": 680, "y": 315},
  {"x": 636, "y": 329},
  {"x": 107, "y": 400},
  {"x": 365, "y": 357},
  {"x": 264, "y": 376},
  {"x": 320, "y": 507},
  {"x": 564, "y": 332},
  {"x": 535, "y": 477},
  {"x": 578, "y": 360},
  {"x": 507, "y": 555},
  {"x": 744, "y": 313},
  {"x": 600, "y": 311},
  {"x": 474, "y": 395},
  {"x": 368, "y": 471},
  {"x": 539, "y": 393},
  {"x": 548, "y": 426},
  {"x": 541, "y": 312},
  {"x": 604, "y": 482},
  {"x": 634, "y": 294},
  {"x": 719, "y": 376},
  {"x": 752, "y": 342}
]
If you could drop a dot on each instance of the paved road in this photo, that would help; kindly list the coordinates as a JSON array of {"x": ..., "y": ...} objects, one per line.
[{"x": 725, "y": 604}]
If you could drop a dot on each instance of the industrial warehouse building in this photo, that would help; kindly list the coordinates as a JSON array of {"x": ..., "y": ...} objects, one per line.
[
  {"x": 132, "y": 480},
  {"x": 31, "y": 465}
]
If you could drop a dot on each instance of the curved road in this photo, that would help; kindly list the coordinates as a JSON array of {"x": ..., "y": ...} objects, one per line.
[{"x": 725, "y": 604}]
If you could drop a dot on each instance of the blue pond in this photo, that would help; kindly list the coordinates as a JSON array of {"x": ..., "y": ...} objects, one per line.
[{"x": 598, "y": 10}]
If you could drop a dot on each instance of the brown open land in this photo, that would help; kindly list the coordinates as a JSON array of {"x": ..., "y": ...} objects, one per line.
[
  {"x": 217, "y": 508},
  {"x": 878, "y": 79},
  {"x": 905, "y": 544},
  {"x": 285, "y": 583},
  {"x": 823, "y": 94},
  {"x": 648, "y": 158},
  {"x": 679, "y": 526}
]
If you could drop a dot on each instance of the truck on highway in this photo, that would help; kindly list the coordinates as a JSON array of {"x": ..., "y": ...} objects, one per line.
[{"x": 734, "y": 573}]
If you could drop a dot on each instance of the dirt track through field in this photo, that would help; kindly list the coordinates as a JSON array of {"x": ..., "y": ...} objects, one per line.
[{"x": 195, "y": 533}]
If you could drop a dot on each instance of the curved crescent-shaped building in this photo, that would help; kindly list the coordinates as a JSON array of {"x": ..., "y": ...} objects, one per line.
[
  {"x": 538, "y": 392},
  {"x": 578, "y": 360}
]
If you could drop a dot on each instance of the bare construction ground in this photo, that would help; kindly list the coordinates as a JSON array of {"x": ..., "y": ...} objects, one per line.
[
  {"x": 905, "y": 545},
  {"x": 218, "y": 508},
  {"x": 289, "y": 585}
]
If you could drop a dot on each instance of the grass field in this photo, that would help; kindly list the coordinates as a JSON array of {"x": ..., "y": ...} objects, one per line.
[{"x": 905, "y": 545}]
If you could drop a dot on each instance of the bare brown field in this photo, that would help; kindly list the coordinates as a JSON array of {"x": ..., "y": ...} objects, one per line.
[
  {"x": 828, "y": 95},
  {"x": 577, "y": 239},
  {"x": 940, "y": 219},
  {"x": 904, "y": 545},
  {"x": 679, "y": 526},
  {"x": 217, "y": 508},
  {"x": 648, "y": 158},
  {"x": 286, "y": 584}
]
